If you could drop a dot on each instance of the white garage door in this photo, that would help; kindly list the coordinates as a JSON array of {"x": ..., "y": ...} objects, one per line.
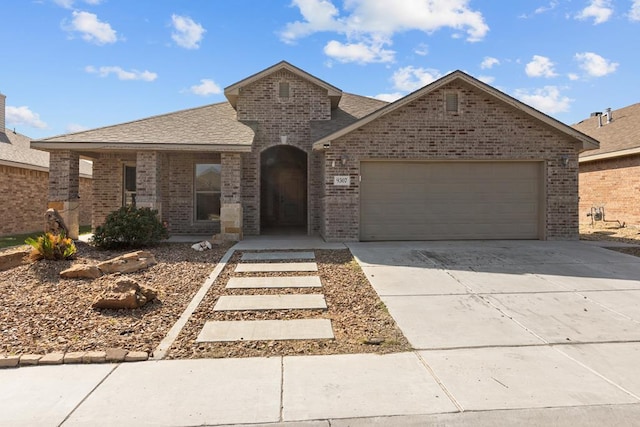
[{"x": 450, "y": 200}]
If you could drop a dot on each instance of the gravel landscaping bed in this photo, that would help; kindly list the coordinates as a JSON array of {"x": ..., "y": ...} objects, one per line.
[
  {"x": 42, "y": 314},
  {"x": 613, "y": 233},
  {"x": 361, "y": 323}
]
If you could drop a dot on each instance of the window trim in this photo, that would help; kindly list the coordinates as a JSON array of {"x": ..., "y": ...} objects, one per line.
[{"x": 449, "y": 95}]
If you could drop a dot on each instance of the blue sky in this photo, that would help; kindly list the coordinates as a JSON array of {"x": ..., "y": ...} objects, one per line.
[{"x": 70, "y": 65}]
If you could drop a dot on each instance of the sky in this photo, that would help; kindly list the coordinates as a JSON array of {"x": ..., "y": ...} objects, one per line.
[{"x": 72, "y": 65}]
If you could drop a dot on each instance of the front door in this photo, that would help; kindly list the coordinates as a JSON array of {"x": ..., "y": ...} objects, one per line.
[{"x": 283, "y": 193}]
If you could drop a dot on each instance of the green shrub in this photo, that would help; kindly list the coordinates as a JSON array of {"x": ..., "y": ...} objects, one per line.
[
  {"x": 130, "y": 227},
  {"x": 51, "y": 246}
]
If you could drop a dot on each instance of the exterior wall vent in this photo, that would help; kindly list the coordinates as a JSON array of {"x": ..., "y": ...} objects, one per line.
[
  {"x": 451, "y": 102},
  {"x": 283, "y": 90}
]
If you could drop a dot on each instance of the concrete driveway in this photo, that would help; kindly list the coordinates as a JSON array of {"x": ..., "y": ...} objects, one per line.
[{"x": 515, "y": 324}]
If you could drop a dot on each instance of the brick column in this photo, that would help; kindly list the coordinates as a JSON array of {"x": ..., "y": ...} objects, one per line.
[
  {"x": 231, "y": 197},
  {"x": 64, "y": 187},
  {"x": 148, "y": 182}
]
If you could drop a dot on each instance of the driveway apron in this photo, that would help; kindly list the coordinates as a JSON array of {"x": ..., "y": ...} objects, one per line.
[{"x": 515, "y": 324}]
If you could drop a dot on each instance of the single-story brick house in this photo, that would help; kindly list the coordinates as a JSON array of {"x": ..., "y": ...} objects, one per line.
[
  {"x": 457, "y": 159},
  {"x": 24, "y": 183},
  {"x": 610, "y": 175}
]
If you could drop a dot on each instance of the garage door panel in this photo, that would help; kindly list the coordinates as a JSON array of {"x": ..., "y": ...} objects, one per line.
[{"x": 450, "y": 200}]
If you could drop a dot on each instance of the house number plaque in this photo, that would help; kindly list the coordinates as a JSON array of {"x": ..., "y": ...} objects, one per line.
[{"x": 342, "y": 180}]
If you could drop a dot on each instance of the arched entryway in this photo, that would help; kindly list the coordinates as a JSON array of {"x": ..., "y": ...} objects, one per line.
[{"x": 283, "y": 190}]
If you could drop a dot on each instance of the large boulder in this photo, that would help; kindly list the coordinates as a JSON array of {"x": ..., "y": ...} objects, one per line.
[
  {"x": 128, "y": 263},
  {"x": 81, "y": 271},
  {"x": 125, "y": 293}
]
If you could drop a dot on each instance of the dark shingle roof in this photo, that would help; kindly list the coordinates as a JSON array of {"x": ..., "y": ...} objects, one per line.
[
  {"x": 623, "y": 133},
  {"x": 15, "y": 151},
  {"x": 350, "y": 109},
  {"x": 211, "y": 124}
]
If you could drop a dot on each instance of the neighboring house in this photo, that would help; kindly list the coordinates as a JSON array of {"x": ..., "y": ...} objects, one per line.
[
  {"x": 610, "y": 176},
  {"x": 24, "y": 183},
  {"x": 288, "y": 152}
]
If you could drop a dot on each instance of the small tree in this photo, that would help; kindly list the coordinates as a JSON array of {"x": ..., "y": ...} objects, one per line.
[
  {"x": 51, "y": 246},
  {"x": 130, "y": 227}
]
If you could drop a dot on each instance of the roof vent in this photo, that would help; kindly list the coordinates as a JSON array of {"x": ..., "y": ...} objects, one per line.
[{"x": 609, "y": 115}]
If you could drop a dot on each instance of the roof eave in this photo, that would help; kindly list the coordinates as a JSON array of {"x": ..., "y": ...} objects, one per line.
[
  {"x": 114, "y": 146},
  {"x": 610, "y": 155}
]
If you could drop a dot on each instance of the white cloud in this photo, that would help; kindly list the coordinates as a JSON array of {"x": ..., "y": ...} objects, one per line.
[
  {"x": 23, "y": 116},
  {"x": 423, "y": 49},
  {"x": 487, "y": 79},
  {"x": 540, "y": 66},
  {"x": 547, "y": 99},
  {"x": 68, "y": 4},
  {"x": 205, "y": 88},
  {"x": 408, "y": 79},
  {"x": 358, "y": 52},
  {"x": 91, "y": 28},
  {"x": 573, "y": 76},
  {"x": 488, "y": 62},
  {"x": 634, "y": 12},
  {"x": 373, "y": 23},
  {"x": 599, "y": 10},
  {"x": 122, "y": 74},
  {"x": 595, "y": 65},
  {"x": 187, "y": 33},
  {"x": 389, "y": 97},
  {"x": 75, "y": 127}
]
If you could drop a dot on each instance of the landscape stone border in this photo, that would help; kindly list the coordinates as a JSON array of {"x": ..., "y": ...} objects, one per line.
[{"x": 111, "y": 355}]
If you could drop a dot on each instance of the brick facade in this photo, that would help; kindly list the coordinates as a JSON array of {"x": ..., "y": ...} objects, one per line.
[
  {"x": 484, "y": 129},
  {"x": 614, "y": 184},
  {"x": 277, "y": 117},
  {"x": 165, "y": 181},
  {"x": 23, "y": 200}
]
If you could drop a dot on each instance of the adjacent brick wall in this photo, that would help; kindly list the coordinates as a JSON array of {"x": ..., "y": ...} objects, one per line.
[
  {"x": 484, "y": 129},
  {"x": 24, "y": 197},
  {"x": 612, "y": 183},
  {"x": 276, "y": 117}
]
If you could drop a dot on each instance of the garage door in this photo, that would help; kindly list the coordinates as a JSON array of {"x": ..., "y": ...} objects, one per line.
[{"x": 450, "y": 200}]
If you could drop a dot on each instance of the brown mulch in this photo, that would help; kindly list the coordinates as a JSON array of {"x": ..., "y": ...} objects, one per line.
[{"x": 41, "y": 313}]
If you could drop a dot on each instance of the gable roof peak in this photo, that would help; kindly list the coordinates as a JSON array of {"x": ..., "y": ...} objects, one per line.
[{"x": 232, "y": 92}]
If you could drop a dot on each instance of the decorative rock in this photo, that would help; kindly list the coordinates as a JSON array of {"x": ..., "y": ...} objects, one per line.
[
  {"x": 126, "y": 293},
  {"x": 74, "y": 357},
  {"x": 116, "y": 355},
  {"x": 52, "y": 359},
  {"x": 29, "y": 359},
  {"x": 9, "y": 361},
  {"x": 81, "y": 271},
  {"x": 128, "y": 263},
  {"x": 54, "y": 223},
  {"x": 94, "y": 357},
  {"x": 201, "y": 246},
  {"x": 136, "y": 356},
  {"x": 13, "y": 259}
]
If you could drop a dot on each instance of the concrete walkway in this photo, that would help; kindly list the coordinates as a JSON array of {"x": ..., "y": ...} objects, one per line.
[{"x": 506, "y": 333}]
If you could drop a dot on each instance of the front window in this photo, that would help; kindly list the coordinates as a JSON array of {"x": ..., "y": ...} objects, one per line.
[
  {"x": 129, "y": 186},
  {"x": 207, "y": 192}
]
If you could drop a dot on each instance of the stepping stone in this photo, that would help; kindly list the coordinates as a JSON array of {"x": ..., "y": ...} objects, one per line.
[
  {"x": 276, "y": 267},
  {"x": 270, "y": 302},
  {"x": 255, "y": 330},
  {"x": 257, "y": 256},
  {"x": 274, "y": 282}
]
